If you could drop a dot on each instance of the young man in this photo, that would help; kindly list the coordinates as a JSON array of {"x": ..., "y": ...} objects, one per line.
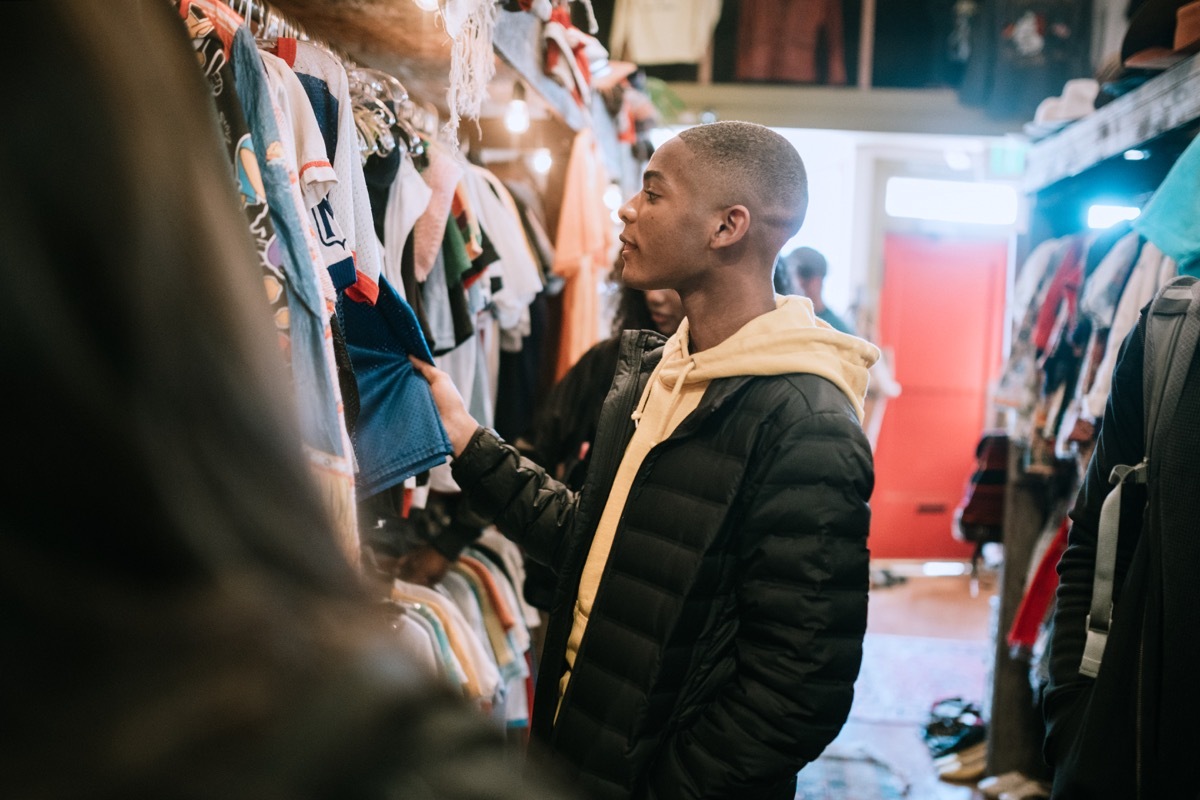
[{"x": 707, "y": 624}]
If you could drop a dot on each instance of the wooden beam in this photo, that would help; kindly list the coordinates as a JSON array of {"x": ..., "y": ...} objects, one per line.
[{"x": 866, "y": 44}]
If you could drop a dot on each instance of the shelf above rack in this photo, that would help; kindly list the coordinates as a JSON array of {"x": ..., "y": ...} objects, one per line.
[{"x": 1163, "y": 103}]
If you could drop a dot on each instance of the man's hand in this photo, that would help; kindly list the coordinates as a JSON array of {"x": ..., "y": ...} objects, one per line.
[{"x": 460, "y": 425}]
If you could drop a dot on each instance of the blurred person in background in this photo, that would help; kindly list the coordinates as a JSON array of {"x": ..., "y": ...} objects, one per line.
[{"x": 807, "y": 270}]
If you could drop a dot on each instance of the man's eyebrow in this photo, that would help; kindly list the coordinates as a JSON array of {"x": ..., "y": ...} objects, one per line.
[{"x": 651, "y": 175}]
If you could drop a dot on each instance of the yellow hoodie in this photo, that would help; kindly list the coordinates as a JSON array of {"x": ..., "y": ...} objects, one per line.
[{"x": 791, "y": 339}]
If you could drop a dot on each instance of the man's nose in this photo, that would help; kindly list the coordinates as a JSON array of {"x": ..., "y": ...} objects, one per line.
[{"x": 627, "y": 213}]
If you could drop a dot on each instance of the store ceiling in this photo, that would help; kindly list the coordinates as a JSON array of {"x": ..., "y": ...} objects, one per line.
[
  {"x": 398, "y": 37},
  {"x": 394, "y": 35},
  {"x": 410, "y": 43}
]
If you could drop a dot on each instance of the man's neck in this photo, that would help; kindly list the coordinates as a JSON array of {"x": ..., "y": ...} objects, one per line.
[{"x": 715, "y": 316}]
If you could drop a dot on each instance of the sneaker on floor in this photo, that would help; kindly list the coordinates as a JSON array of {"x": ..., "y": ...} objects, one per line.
[
  {"x": 993, "y": 786},
  {"x": 971, "y": 765},
  {"x": 1030, "y": 790}
]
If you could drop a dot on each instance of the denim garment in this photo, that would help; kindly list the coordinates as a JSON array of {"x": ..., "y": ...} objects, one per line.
[
  {"x": 315, "y": 390},
  {"x": 399, "y": 433}
]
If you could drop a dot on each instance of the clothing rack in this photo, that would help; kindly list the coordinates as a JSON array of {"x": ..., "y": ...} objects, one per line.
[
  {"x": 270, "y": 23},
  {"x": 1064, "y": 173}
]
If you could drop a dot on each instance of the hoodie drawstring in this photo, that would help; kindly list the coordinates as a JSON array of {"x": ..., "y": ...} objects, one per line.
[{"x": 665, "y": 418}]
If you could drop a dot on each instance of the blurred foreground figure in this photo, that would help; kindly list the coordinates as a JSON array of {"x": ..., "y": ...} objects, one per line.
[{"x": 179, "y": 621}]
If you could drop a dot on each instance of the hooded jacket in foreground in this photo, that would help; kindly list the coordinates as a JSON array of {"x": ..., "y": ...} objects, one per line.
[{"x": 726, "y": 633}]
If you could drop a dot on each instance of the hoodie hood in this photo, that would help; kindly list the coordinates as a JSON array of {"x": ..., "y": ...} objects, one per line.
[{"x": 790, "y": 339}]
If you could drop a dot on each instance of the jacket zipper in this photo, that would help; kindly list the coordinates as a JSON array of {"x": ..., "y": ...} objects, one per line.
[{"x": 613, "y": 449}]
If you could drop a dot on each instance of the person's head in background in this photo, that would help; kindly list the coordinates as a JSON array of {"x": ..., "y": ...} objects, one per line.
[
  {"x": 808, "y": 267},
  {"x": 178, "y": 615},
  {"x": 653, "y": 309}
]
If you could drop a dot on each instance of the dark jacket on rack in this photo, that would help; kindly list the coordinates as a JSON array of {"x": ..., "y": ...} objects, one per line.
[
  {"x": 726, "y": 634},
  {"x": 1131, "y": 732}
]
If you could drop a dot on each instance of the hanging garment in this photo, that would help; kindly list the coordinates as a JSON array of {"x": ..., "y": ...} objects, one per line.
[
  {"x": 307, "y": 148},
  {"x": 407, "y": 200},
  {"x": 483, "y": 678},
  {"x": 313, "y": 361},
  {"x": 1024, "y": 51},
  {"x": 1151, "y": 270},
  {"x": 211, "y": 48},
  {"x": 663, "y": 31},
  {"x": 324, "y": 77},
  {"x": 514, "y": 269},
  {"x": 1171, "y": 218},
  {"x": 442, "y": 175},
  {"x": 778, "y": 40},
  {"x": 583, "y": 248},
  {"x": 399, "y": 432}
]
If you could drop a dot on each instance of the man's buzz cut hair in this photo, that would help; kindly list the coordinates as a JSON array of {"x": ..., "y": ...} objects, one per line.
[{"x": 759, "y": 159}]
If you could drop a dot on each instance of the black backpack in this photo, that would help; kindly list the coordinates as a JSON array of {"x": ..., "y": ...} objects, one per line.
[{"x": 1172, "y": 329}]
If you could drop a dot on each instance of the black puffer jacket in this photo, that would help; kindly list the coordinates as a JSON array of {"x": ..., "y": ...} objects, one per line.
[{"x": 727, "y": 631}]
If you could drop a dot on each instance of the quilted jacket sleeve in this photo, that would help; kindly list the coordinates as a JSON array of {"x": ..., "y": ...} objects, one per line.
[
  {"x": 802, "y": 599},
  {"x": 524, "y": 502}
]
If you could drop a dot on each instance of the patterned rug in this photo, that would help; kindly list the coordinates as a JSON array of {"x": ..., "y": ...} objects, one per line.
[
  {"x": 845, "y": 772},
  {"x": 902, "y": 676},
  {"x": 900, "y": 679}
]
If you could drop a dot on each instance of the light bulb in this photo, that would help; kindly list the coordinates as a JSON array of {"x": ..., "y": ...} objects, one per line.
[
  {"x": 542, "y": 161},
  {"x": 612, "y": 197},
  {"x": 516, "y": 116}
]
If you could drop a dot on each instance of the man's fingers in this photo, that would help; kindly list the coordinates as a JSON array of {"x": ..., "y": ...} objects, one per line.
[{"x": 421, "y": 367}]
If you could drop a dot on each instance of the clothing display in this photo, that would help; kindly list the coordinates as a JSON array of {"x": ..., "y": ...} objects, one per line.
[
  {"x": 1023, "y": 51},
  {"x": 657, "y": 32},
  {"x": 1071, "y": 392},
  {"x": 342, "y": 256},
  {"x": 778, "y": 40},
  {"x": 1067, "y": 339}
]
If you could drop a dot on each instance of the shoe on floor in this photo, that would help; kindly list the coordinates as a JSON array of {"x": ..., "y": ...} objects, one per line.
[
  {"x": 995, "y": 785},
  {"x": 972, "y": 752},
  {"x": 1030, "y": 790},
  {"x": 970, "y": 764}
]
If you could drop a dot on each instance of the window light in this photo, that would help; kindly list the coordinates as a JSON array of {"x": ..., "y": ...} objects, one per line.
[
  {"x": 1102, "y": 216},
  {"x": 951, "y": 201}
]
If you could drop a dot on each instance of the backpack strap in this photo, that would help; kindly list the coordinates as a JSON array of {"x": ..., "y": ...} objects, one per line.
[{"x": 1172, "y": 330}]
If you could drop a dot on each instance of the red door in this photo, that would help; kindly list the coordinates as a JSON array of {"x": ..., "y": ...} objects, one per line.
[{"x": 941, "y": 315}]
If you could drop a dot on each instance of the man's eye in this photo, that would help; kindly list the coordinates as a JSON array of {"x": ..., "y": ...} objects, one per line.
[{"x": 649, "y": 194}]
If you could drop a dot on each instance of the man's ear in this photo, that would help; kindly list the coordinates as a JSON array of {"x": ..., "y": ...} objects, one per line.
[{"x": 733, "y": 227}]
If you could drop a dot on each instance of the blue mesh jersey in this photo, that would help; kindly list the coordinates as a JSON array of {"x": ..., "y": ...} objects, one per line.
[{"x": 399, "y": 433}]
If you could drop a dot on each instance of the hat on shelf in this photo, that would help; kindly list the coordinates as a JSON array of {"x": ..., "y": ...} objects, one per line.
[
  {"x": 1078, "y": 99},
  {"x": 1161, "y": 33}
]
